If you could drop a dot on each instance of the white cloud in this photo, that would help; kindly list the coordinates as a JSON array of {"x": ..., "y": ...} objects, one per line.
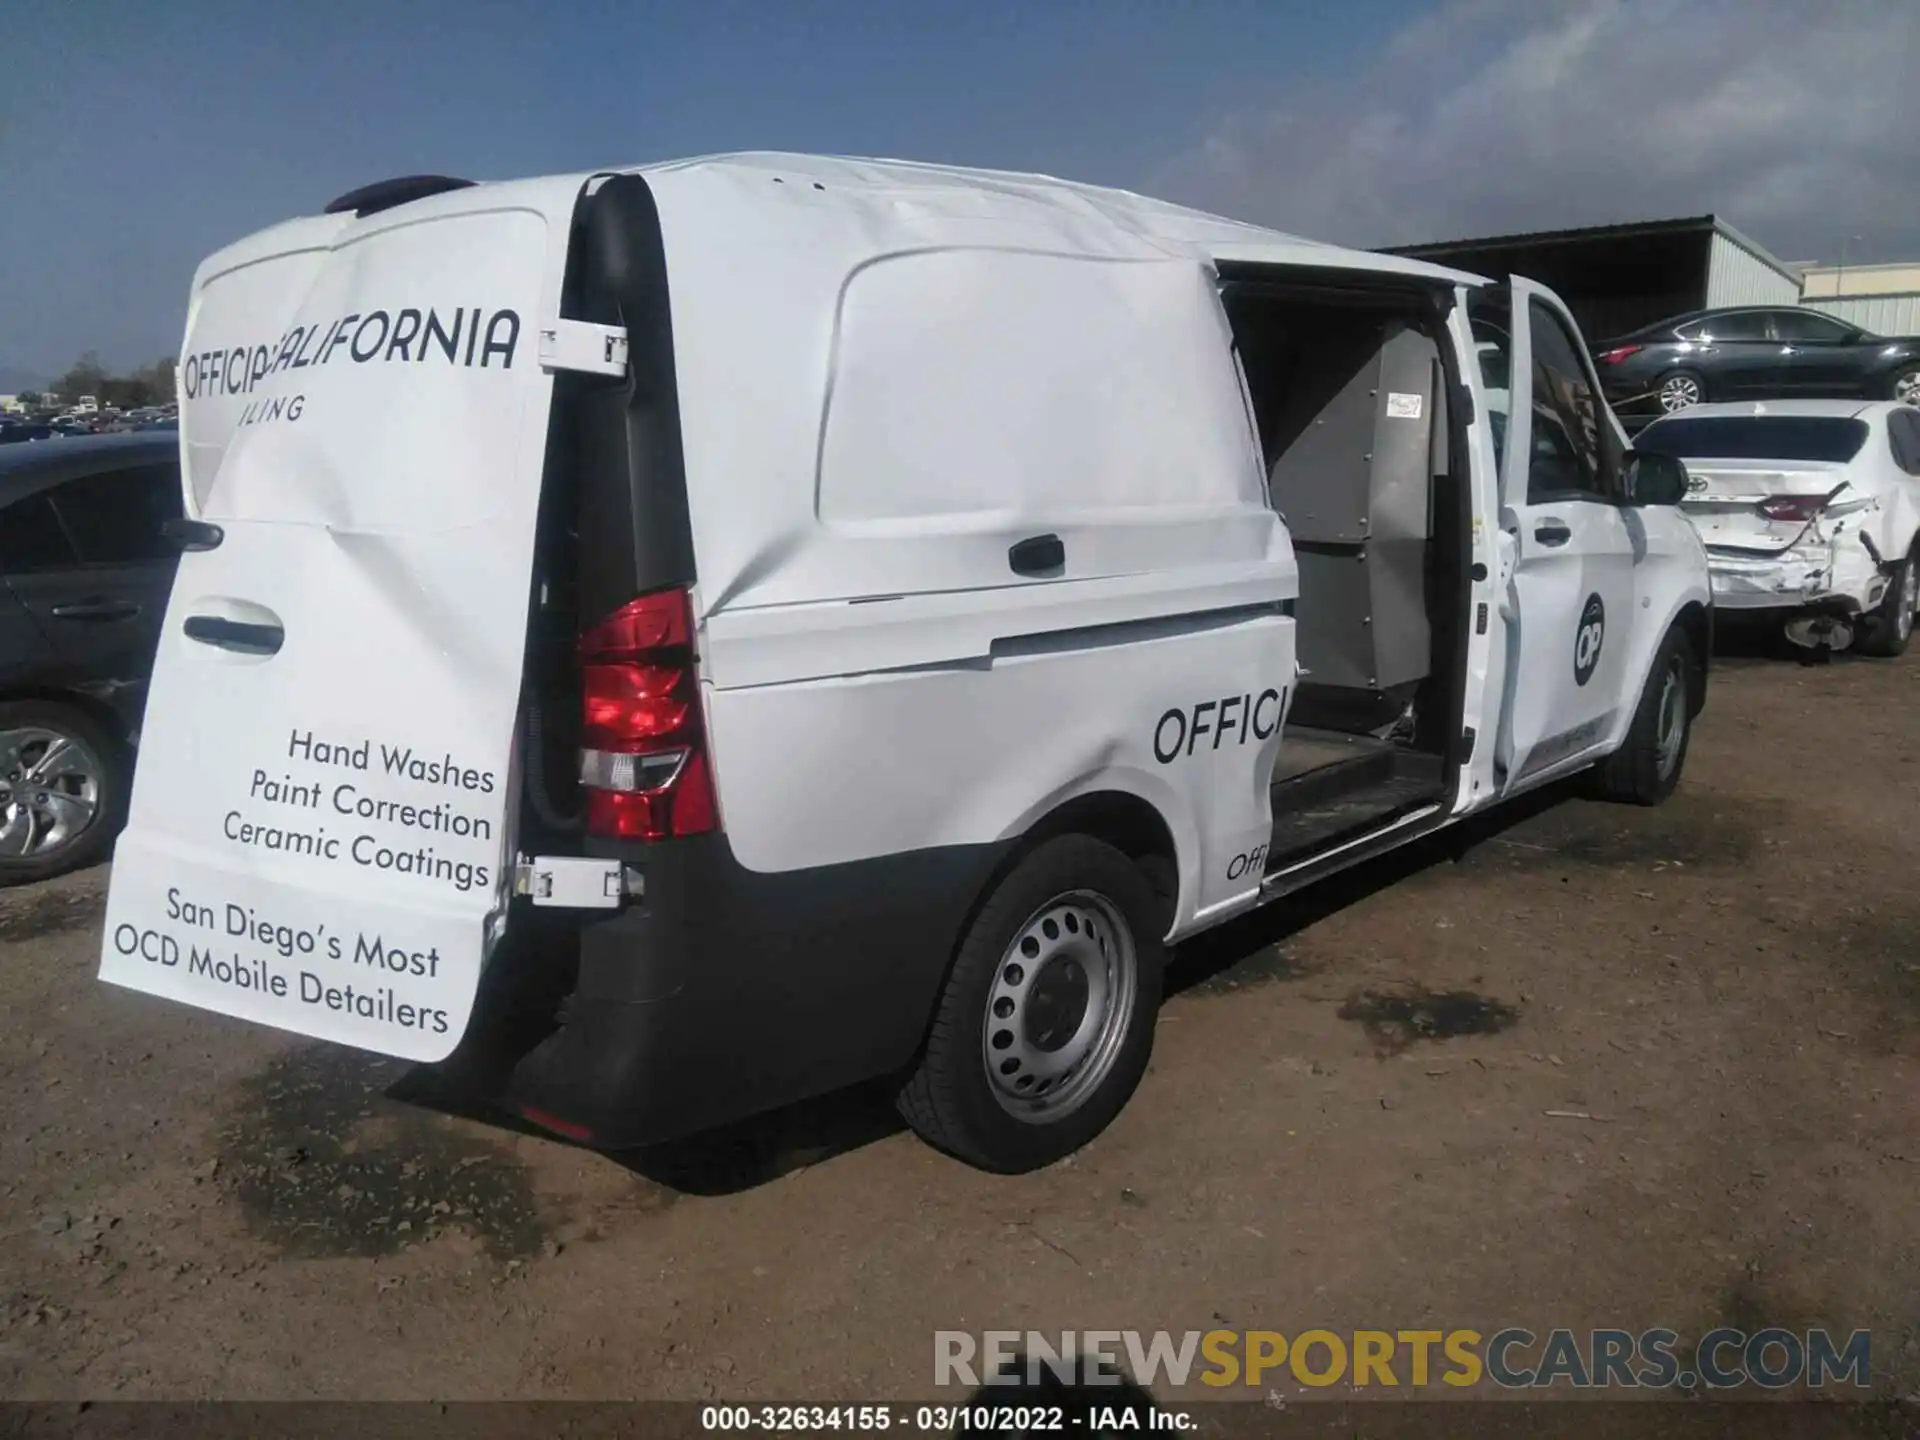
[{"x": 1793, "y": 119}]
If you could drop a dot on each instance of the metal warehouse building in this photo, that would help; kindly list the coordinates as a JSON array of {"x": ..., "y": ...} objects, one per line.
[
  {"x": 1883, "y": 299},
  {"x": 1616, "y": 278}
]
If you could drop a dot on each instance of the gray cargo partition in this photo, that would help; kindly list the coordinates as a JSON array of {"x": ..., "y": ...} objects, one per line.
[{"x": 1355, "y": 490}]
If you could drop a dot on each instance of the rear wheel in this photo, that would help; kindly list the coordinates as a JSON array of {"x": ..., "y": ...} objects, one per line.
[
  {"x": 62, "y": 789},
  {"x": 1890, "y": 625},
  {"x": 1680, "y": 389},
  {"x": 1046, "y": 1023},
  {"x": 1906, "y": 386},
  {"x": 1644, "y": 770}
]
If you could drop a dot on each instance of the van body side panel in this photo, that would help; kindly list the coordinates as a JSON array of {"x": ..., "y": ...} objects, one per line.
[
  {"x": 888, "y": 401},
  {"x": 922, "y": 396},
  {"x": 322, "y": 814},
  {"x": 1183, "y": 714}
]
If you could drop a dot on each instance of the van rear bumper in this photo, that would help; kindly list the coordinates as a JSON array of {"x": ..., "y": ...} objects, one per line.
[{"x": 726, "y": 992}]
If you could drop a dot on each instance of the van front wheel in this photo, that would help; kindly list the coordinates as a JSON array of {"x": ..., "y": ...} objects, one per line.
[
  {"x": 1046, "y": 1023},
  {"x": 1646, "y": 767}
]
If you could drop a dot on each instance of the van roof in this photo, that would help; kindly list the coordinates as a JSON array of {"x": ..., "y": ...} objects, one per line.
[
  {"x": 1014, "y": 195},
  {"x": 1093, "y": 216}
]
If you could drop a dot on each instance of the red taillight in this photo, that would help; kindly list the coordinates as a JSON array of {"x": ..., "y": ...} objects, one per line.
[
  {"x": 1792, "y": 507},
  {"x": 1619, "y": 353},
  {"x": 626, "y": 703},
  {"x": 643, "y": 747}
]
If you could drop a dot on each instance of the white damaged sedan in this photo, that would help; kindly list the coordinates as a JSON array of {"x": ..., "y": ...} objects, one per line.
[{"x": 1808, "y": 508}]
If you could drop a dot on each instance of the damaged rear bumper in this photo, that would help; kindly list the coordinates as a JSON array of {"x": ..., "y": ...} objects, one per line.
[{"x": 1844, "y": 582}]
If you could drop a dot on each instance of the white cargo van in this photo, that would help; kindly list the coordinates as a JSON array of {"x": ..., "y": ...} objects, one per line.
[{"x": 884, "y": 606}]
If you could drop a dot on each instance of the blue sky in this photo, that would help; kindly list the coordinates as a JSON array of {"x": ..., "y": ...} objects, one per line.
[{"x": 135, "y": 138}]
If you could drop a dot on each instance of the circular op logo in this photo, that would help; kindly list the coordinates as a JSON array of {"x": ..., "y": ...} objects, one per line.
[{"x": 1588, "y": 640}]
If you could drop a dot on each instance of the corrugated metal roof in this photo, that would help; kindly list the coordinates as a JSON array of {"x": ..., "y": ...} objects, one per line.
[
  {"x": 1755, "y": 249},
  {"x": 1737, "y": 276},
  {"x": 1627, "y": 230}
]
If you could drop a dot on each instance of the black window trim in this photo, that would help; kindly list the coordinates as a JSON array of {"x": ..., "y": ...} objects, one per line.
[
  {"x": 118, "y": 472},
  {"x": 1612, "y": 459},
  {"x": 1842, "y": 331},
  {"x": 56, "y": 480},
  {"x": 43, "y": 497},
  {"x": 1766, "y": 326},
  {"x": 1854, "y": 425}
]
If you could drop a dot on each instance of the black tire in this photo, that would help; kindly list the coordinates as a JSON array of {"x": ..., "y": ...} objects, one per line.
[
  {"x": 952, "y": 1100},
  {"x": 1888, "y": 627},
  {"x": 108, "y": 773},
  {"x": 1680, "y": 379},
  {"x": 1643, "y": 771}
]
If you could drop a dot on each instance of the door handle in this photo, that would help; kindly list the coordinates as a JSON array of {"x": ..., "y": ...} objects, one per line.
[
  {"x": 1552, "y": 532},
  {"x": 1038, "y": 555},
  {"x": 237, "y": 635},
  {"x": 193, "y": 534},
  {"x": 96, "y": 610}
]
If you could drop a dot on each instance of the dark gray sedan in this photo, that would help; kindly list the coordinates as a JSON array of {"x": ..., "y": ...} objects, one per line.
[
  {"x": 1777, "y": 353},
  {"x": 85, "y": 572}
]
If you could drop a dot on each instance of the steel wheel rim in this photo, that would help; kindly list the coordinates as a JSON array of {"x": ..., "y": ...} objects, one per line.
[
  {"x": 1909, "y": 597},
  {"x": 1678, "y": 392},
  {"x": 1672, "y": 728},
  {"x": 1046, "y": 1055},
  {"x": 1906, "y": 389},
  {"x": 50, "y": 784}
]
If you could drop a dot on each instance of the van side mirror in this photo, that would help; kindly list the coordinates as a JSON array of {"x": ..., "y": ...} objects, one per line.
[{"x": 1654, "y": 479}]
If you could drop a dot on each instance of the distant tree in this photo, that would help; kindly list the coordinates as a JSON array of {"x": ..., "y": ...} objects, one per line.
[
  {"x": 31, "y": 397},
  {"x": 124, "y": 393},
  {"x": 148, "y": 385},
  {"x": 159, "y": 378},
  {"x": 87, "y": 376}
]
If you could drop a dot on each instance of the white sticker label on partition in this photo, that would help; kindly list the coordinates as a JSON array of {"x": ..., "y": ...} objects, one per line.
[{"x": 1402, "y": 407}]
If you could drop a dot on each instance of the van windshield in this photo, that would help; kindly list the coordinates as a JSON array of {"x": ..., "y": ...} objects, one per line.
[{"x": 1830, "y": 438}]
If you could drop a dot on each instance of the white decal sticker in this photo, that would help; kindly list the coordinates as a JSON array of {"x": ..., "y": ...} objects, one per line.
[{"x": 1402, "y": 407}]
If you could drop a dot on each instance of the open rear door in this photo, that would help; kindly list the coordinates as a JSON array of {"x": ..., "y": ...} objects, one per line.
[{"x": 322, "y": 814}]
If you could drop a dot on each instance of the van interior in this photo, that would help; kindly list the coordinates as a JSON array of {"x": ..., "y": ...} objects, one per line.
[{"x": 1352, "y": 401}]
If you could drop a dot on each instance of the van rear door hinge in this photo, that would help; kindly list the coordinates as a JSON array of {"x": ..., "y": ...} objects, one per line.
[
  {"x": 576, "y": 882},
  {"x": 583, "y": 346}
]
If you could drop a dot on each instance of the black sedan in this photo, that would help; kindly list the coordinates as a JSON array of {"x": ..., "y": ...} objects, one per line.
[
  {"x": 85, "y": 572},
  {"x": 1754, "y": 354}
]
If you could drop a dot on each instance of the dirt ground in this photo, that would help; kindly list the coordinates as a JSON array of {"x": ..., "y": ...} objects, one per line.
[{"x": 1728, "y": 986}]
